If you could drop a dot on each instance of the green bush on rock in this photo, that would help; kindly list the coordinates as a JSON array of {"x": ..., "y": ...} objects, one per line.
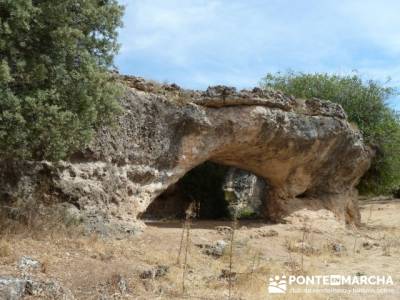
[{"x": 364, "y": 103}]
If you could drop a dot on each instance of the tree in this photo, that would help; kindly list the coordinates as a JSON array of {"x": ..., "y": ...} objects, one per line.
[
  {"x": 364, "y": 103},
  {"x": 55, "y": 84}
]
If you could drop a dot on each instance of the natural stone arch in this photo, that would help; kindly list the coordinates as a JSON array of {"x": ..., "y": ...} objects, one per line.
[
  {"x": 302, "y": 148},
  {"x": 306, "y": 150},
  {"x": 293, "y": 164}
]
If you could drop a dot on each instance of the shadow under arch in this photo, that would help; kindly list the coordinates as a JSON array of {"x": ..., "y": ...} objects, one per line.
[{"x": 204, "y": 184}]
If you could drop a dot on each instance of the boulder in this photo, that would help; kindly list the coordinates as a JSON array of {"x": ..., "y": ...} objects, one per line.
[
  {"x": 245, "y": 193},
  {"x": 306, "y": 151},
  {"x": 12, "y": 288},
  {"x": 27, "y": 263}
]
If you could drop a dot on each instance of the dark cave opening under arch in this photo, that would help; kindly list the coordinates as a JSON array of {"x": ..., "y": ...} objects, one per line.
[{"x": 205, "y": 185}]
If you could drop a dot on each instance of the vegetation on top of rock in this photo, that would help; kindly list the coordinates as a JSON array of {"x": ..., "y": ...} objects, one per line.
[
  {"x": 55, "y": 87},
  {"x": 364, "y": 103}
]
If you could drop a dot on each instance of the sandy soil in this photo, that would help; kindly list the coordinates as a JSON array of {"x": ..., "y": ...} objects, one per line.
[{"x": 310, "y": 244}]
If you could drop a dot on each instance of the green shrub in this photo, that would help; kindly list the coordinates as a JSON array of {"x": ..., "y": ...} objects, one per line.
[
  {"x": 364, "y": 103},
  {"x": 55, "y": 88},
  {"x": 247, "y": 214}
]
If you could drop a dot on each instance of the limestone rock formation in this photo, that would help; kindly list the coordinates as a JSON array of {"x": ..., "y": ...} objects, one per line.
[
  {"x": 247, "y": 192},
  {"x": 12, "y": 288},
  {"x": 306, "y": 150}
]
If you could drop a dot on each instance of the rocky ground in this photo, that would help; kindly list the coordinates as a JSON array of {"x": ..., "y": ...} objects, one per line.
[{"x": 57, "y": 263}]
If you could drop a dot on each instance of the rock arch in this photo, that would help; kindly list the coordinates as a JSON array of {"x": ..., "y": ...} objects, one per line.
[
  {"x": 319, "y": 157},
  {"x": 301, "y": 147},
  {"x": 306, "y": 150}
]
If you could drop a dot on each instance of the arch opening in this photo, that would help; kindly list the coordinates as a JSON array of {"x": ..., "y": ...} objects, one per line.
[{"x": 218, "y": 190}]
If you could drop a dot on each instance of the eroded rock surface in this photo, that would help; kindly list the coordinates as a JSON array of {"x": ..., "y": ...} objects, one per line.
[
  {"x": 246, "y": 193},
  {"x": 306, "y": 150},
  {"x": 12, "y": 288}
]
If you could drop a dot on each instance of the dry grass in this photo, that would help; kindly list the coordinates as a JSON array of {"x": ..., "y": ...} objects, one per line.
[
  {"x": 390, "y": 244},
  {"x": 5, "y": 248},
  {"x": 92, "y": 266}
]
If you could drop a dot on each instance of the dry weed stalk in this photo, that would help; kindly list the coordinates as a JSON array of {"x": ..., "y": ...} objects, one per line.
[
  {"x": 302, "y": 246},
  {"x": 232, "y": 240},
  {"x": 178, "y": 259},
  {"x": 292, "y": 263},
  {"x": 191, "y": 212},
  {"x": 370, "y": 215},
  {"x": 253, "y": 268},
  {"x": 387, "y": 244},
  {"x": 356, "y": 236},
  {"x": 305, "y": 229},
  {"x": 186, "y": 254}
]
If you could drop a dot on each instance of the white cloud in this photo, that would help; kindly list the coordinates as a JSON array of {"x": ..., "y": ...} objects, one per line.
[
  {"x": 377, "y": 22},
  {"x": 200, "y": 42},
  {"x": 169, "y": 29}
]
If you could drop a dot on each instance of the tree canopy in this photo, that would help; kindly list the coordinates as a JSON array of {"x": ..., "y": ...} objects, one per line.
[
  {"x": 365, "y": 105},
  {"x": 55, "y": 85}
]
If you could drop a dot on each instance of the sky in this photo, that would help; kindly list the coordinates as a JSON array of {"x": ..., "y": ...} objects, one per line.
[{"x": 198, "y": 43}]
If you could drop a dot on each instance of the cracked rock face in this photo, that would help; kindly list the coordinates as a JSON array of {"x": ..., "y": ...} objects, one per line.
[
  {"x": 246, "y": 191},
  {"x": 12, "y": 288},
  {"x": 305, "y": 150}
]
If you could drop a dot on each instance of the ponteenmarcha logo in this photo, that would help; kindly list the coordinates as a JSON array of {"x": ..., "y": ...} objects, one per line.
[{"x": 279, "y": 284}]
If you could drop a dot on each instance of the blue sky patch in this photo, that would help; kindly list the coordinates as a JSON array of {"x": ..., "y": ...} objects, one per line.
[{"x": 197, "y": 43}]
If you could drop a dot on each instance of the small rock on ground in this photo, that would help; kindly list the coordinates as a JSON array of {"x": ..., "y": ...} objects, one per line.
[
  {"x": 27, "y": 263},
  {"x": 216, "y": 250},
  {"x": 158, "y": 271}
]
